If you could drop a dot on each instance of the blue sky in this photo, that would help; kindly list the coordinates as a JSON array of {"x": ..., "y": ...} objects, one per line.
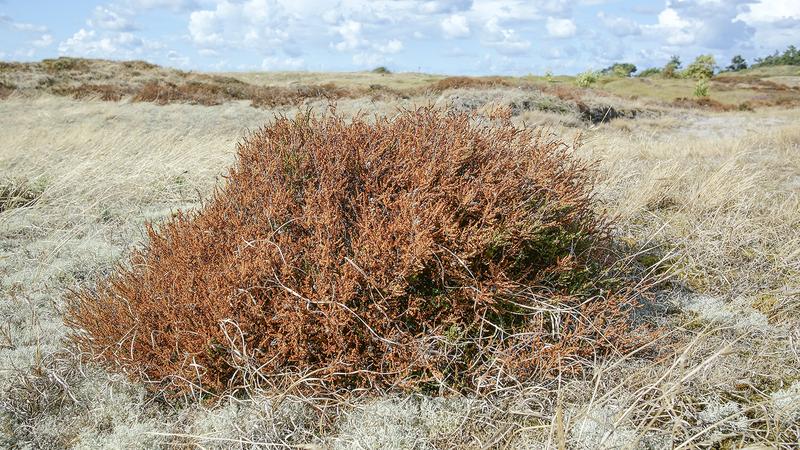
[{"x": 439, "y": 36}]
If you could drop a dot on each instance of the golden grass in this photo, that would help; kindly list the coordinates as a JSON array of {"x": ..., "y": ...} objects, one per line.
[{"x": 399, "y": 81}]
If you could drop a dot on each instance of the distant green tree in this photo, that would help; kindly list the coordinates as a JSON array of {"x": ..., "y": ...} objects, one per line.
[
  {"x": 619, "y": 70},
  {"x": 586, "y": 79},
  {"x": 381, "y": 70},
  {"x": 649, "y": 72},
  {"x": 789, "y": 57},
  {"x": 701, "y": 69},
  {"x": 671, "y": 68},
  {"x": 737, "y": 63}
]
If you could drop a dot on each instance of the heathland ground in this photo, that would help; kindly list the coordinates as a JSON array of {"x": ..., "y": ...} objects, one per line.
[{"x": 706, "y": 193}]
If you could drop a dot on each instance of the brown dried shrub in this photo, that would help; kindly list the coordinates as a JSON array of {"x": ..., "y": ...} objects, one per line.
[
  {"x": 105, "y": 92},
  {"x": 426, "y": 251},
  {"x": 751, "y": 82},
  {"x": 221, "y": 89},
  {"x": 271, "y": 96},
  {"x": 469, "y": 83},
  {"x": 193, "y": 92},
  {"x": 784, "y": 100},
  {"x": 382, "y": 92},
  {"x": 139, "y": 65},
  {"x": 156, "y": 92},
  {"x": 704, "y": 103},
  {"x": 565, "y": 92}
]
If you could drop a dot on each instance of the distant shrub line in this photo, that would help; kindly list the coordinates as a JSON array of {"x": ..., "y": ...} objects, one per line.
[
  {"x": 61, "y": 77},
  {"x": 218, "y": 90},
  {"x": 705, "y": 66}
]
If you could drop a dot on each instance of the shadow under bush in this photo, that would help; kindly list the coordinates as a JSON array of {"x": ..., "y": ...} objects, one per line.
[{"x": 429, "y": 251}]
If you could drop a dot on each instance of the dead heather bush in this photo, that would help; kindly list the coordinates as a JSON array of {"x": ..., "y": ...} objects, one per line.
[
  {"x": 272, "y": 96},
  {"x": 385, "y": 93},
  {"x": 775, "y": 99},
  {"x": 564, "y": 92},
  {"x": 139, "y": 65},
  {"x": 221, "y": 89},
  {"x": 193, "y": 92},
  {"x": 704, "y": 103},
  {"x": 431, "y": 251},
  {"x": 469, "y": 83},
  {"x": 751, "y": 82},
  {"x": 105, "y": 92}
]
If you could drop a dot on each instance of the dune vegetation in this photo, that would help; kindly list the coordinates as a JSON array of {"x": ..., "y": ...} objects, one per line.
[{"x": 173, "y": 246}]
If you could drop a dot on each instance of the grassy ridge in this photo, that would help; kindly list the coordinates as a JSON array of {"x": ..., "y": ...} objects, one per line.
[{"x": 141, "y": 81}]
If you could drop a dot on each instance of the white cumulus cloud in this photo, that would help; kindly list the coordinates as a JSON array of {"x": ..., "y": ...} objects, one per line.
[
  {"x": 504, "y": 40},
  {"x": 767, "y": 11},
  {"x": 174, "y": 5},
  {"x": 393, "y": 46},
  {"x": 45, "y": 40},
  {"x": 455, "y": 26},
  {"x": 254, "y": 24},
  {"x": 350, "y": 33},
  {"x": 108, "y": 19},
  {"x": 560, "y": 28},
  {"x": 619, "y": 26},
  {"x": 120, "y": 45}
]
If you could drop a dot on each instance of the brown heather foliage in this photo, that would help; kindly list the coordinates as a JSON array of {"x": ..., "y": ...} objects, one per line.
[
  {"x": 564, "y": 92},
  {"x": 221, "y": 89},
  {"x": 423, "y": 252},
  {"x": 105, "y": 92},
  {"x": 271, "y": 96},
  {"x": 751, "y": 82},
  {"x": 469, "y": 83},
  {"x": 193, "y": 92},
  {"x": 139, "y": 65},
  {"x": 704, "y": 103}
]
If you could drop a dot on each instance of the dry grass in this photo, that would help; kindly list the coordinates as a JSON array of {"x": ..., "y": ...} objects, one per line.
[
  {"x": 469, "y": 83},
  {"x": 709, "y": 199},
  {"x": 18, "y": 194}
]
